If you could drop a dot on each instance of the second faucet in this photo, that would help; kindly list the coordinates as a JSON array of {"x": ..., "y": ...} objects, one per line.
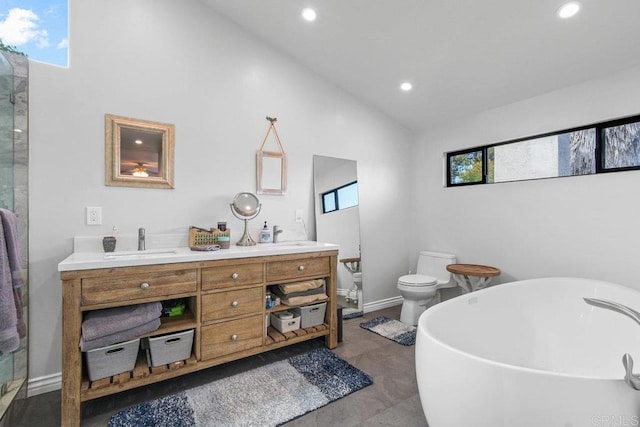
[
  {"x": 141, "y": 240},
  {"x": 276, "y": 230}
]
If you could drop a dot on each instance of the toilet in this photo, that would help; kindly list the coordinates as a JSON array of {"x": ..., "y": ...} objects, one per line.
[{"x": 419, "y": 289}]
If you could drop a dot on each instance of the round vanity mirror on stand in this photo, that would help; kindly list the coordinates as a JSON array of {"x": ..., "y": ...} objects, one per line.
[{"x": 245, "y": 206}]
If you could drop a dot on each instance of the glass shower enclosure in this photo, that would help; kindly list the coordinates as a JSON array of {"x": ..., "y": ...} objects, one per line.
[{"x": 14, "y": 197}]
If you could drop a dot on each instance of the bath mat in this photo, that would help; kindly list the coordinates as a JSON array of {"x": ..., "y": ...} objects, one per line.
[
  {"x": 352, "y": 315},
  {"x": 265, "y": 396},
  {"x": 391, "y": 329}
]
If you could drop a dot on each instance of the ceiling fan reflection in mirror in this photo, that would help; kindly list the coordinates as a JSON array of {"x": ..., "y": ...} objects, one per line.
[{"x": 139, "y": 169}]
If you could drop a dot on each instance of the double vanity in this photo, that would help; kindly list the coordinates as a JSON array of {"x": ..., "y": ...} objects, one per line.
[{"x": 225, "y": 297}]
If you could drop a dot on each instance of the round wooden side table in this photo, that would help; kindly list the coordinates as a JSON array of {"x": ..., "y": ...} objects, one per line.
[{"x": 472, "y": 277}]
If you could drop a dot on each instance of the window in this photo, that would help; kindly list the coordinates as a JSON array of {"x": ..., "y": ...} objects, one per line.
[
  {"x": 38, "y": 29},
  {"x": 340, "y": 198},
  {"x": 603, "y": 147},
  {"x": 621, "y": 146},
  {"x": 466, "y": 168},
  {"x": 562, "y": 154}
]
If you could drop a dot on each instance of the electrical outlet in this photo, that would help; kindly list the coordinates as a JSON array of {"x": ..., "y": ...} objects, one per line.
[
  {"x": 94, "y": 215},
  {"x": 298, "y": 215}
]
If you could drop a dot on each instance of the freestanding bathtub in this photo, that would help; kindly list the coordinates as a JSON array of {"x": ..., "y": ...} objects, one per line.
[{"x": 529, "y": 353}]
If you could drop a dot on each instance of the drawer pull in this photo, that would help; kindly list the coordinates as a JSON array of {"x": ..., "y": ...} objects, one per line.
[
  {"x": 301, "y": 268},
  {"x": 235, "y": 276},
  {"x": 234, "y": 337},
  {"x": 144, "y": 286},
  {"x": 234, "y": 304}
]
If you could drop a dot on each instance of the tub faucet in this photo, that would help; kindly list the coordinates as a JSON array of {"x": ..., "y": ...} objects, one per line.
[
  {"x": 627, "y": 360},
  {"x": 141, "y": 240},
  {"x": 276, "y": 230}
]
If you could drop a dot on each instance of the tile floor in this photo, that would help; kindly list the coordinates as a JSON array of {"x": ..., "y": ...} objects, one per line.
[{"x": 392, "y": 400}]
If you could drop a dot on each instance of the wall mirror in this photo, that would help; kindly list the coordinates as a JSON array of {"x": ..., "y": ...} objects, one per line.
[
  {"x": 138, "y": 153},
  {"x": 271, "y": 172},
  {"x": 271, "y": 164},
  {"x": 338, "y": 221}
]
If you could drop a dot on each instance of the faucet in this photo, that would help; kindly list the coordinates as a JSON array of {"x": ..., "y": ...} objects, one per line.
[
  {"x": 627, "y": 360},
  {"x": 276, "y": 230},
  {"x": 141, "y": 241}
]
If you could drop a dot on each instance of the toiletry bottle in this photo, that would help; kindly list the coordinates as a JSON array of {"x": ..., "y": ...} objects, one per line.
[{"x": 265, "y": 234}]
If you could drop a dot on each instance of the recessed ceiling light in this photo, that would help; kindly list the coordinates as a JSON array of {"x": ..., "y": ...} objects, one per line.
[
  {"x": 406, "y": 86},
  {"x": 138, "y": 141},
  {"x": 309, "y": 14},
  {"x": 568, "y": 10}
]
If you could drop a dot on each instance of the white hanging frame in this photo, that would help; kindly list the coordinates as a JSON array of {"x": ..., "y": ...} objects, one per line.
[{"x": 271, "y": 166}]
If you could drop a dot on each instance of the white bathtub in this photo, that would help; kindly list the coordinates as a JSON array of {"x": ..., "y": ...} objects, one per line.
[{"x": 529, "y": 353}]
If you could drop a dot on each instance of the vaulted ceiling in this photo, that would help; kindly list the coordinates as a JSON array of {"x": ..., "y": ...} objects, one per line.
[{"x": 461, "y": 56}]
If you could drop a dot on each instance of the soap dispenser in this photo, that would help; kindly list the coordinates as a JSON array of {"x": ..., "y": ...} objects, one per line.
[{"x": 265, "y": 234}]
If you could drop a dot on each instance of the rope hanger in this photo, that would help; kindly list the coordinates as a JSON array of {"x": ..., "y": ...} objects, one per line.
[{"x": 272, "y": 127}]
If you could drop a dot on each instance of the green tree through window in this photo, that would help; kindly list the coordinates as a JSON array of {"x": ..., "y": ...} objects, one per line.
[{"x": 466, "y": 167}]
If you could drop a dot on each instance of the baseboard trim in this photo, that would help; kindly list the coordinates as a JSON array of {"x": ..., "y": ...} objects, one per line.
[
  {"x": 383, "y": 303},
  {"x": 53, "y": 382},
  {"x": 44, "y": 384}
]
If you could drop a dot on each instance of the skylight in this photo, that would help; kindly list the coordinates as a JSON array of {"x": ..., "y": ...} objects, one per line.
[{"x": 40, "y": 30}]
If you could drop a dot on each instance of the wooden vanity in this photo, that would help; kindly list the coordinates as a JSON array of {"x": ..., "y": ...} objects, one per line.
[{"x": 225, "y": 308}]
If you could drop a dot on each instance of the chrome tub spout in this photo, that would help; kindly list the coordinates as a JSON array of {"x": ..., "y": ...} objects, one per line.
[
  {"x": 627, "y": 360},
  {"x": 614, "y": 306}
]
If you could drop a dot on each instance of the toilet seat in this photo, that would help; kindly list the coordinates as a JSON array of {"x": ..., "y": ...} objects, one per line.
[{"x": 417, "y": 280}]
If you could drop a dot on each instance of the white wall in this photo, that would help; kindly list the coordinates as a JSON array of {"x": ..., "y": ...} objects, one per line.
[
  {"x": 583, "y": 226},
  {"x": 178, "y": 62}
]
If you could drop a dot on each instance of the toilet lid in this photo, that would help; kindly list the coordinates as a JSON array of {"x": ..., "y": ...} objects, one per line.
[{"x": 417, "y": 280}]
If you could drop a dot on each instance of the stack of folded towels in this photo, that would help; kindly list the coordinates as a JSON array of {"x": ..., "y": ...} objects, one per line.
[
  {"x": 300, "y": 292},
  {"x": 109, "y": 326}
]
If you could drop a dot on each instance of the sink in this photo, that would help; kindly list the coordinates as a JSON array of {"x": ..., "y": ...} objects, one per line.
[
  {"x": 150, "y": 253},
  {"x": 294, "y": 243}
]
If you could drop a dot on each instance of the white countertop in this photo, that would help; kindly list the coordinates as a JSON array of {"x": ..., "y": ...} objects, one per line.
[{"x": 91, "y": 260}]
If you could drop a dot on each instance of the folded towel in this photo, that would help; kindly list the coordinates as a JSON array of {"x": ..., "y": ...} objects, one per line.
[
  {"x": 301, "y": 286},
  {"x": 278, "y": 291},
  {"x": 304, "y": 300},
  {"x": 108, "y": 321},
  {"x": 21, "y": 326},
  {"x": 9, "y": 338},
  {"x": 11, "y": 242},
  {"x": 120, "y": 336}
]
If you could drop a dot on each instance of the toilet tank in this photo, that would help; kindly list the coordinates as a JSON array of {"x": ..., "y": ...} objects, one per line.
[{"x": 434, "y": 264}]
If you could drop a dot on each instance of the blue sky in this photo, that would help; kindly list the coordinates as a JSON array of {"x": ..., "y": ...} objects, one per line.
[{"x": 37, "y": 28}]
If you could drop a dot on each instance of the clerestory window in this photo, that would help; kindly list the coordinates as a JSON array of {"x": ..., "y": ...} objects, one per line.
[{"x": 603, "y": 147}]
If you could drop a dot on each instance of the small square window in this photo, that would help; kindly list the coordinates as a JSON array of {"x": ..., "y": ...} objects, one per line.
[
  {"x": 621, "y": 146},
  {"x": 340, "y": 198},
  {"x": 465, "y": 168},
  {"x": 329, "y": 202}
]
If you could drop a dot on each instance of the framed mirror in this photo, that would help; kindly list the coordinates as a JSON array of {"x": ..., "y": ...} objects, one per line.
[
  {"x": 271, "y": 172},
  {"x": 271, "y": 163},
  {"x": 138, "y": 153},
  {"x": 337, "y": 211}
]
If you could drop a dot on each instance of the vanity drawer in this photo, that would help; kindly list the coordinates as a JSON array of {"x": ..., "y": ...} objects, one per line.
[
  {"x": 100, "y": 290},
  {"x": 299, "y": 268},
  {"x": 231, "y": 275},
  {"x": 221, "y": 305},
  {"x": 232, "y": 336}
]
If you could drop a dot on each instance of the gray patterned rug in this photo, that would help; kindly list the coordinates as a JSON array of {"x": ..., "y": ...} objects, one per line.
[
  {"x": 265, "y": 396},
  {"x": 391, "y": 329}
]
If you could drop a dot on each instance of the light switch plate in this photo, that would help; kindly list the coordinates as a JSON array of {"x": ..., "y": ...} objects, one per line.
[{"x": 298, "y": 215}]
